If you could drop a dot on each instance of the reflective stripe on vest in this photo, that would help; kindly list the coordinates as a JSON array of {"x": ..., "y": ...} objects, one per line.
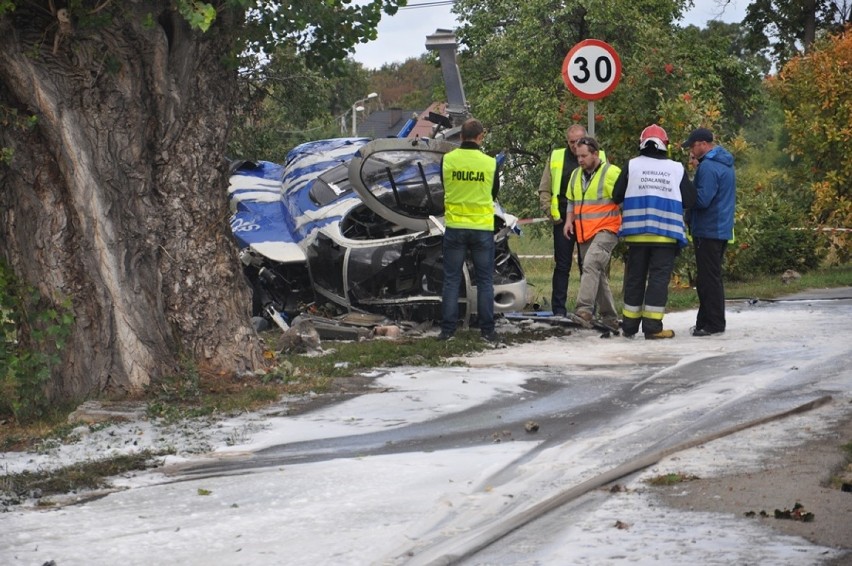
[
  {"x": 468, "y": 176},
  {"x": 653, "y": 210},
  {"x": 557, "y": 163}
]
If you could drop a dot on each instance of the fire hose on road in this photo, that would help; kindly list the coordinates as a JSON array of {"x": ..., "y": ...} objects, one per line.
[{"x": 457, "y": 549}]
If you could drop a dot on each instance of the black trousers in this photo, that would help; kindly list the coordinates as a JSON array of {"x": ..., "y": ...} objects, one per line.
[
  {"x": 563, "y": 253},
  {"x": 646, "y": 286},
  {"x": 711, "y": 290}
]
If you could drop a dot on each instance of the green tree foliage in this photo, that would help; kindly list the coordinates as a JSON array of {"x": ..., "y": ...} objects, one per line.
[
  {"x": 512, "y": 70},
  {"x": 815, "y": 91},
  {"x": 322, "y": 31},
  {"x": 738, "y": 67},
  {"x": 682, "y": 86},
  {"x": 764, "y": 129},
  {"x": 33, "y": 334},
  {"x": 298, "y": 84},
  {"x": 285, "y": 102},
  {"x": 413, "y": 84},
  {"x": 784, "y": 28}
]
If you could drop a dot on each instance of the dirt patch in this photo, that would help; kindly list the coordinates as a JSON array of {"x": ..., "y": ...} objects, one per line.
[
  {"x": 338, "y": 390},
  {"x": 800, "y": 474}
]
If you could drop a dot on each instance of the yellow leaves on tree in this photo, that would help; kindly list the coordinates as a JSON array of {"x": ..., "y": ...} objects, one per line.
[{"x": 815, "y": 90}]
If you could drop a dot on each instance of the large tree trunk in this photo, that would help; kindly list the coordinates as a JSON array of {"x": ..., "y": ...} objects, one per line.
[
  {"x": 809, "y": 9},
  {"x": 116, "y": 198}
]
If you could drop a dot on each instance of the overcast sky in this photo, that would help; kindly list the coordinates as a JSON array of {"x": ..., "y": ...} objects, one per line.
[{"x": 403, "y": 35}]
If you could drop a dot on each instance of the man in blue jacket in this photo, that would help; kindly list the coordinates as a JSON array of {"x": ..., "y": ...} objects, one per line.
[{"x": 712, "y": 226}]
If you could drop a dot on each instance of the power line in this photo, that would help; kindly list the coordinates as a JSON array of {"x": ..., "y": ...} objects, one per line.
[{"x": 430, "y": 4}]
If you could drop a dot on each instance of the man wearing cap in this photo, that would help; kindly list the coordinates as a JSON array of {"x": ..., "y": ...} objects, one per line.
[
  {"x": 711, "y": 223},
  {"x": 655, "y": 191}
]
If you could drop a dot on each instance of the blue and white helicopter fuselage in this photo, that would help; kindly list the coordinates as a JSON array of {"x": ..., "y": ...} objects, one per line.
[{"x": 358, "y": 223}]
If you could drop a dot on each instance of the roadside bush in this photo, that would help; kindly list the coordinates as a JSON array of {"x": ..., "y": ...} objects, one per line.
[
  {"x": 772, "y": 229},
  {"x": 33, "y": 333},
  {"x": 815, "y": 91}
]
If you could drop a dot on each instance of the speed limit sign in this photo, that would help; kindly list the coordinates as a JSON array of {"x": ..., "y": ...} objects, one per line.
[{"x": 592, "y": 69}]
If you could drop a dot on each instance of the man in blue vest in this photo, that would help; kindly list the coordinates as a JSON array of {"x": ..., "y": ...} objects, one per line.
[
  {"x": 470, "y": 184},
  {"x": 655, "y": 191},
  {"x": 711, "y": 223}
]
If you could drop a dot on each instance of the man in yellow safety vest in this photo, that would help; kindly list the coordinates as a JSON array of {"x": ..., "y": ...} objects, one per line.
[{"x": 470, "y": 186}]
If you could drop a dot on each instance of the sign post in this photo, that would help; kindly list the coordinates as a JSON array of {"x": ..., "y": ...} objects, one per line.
[{"x": 591, "y": 70}]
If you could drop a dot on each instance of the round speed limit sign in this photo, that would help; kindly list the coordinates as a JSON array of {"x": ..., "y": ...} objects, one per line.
[{"x": 592, "y": 69}]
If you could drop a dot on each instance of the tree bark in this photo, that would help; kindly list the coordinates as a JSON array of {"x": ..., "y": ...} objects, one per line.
[
  {"x": 116, "y": 198},
  {"x": 809, "y": 9}
]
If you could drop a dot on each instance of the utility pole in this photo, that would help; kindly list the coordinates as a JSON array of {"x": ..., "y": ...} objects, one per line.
[{"x": 356, "y": 107}]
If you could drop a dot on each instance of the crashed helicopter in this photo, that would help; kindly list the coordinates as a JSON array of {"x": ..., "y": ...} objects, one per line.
[{"x": 359, "y": 223}]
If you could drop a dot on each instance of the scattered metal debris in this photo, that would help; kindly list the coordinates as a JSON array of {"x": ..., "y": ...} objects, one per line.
[{"x": 797, "y": 513}]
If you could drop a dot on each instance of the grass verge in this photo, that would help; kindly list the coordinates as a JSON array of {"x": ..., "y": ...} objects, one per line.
[
  {"x": 80, "y": 476},
  {"x": 537, "y": 260},
  {"x": 671, "y": 479},
  {"x": 842, "y": 479}
]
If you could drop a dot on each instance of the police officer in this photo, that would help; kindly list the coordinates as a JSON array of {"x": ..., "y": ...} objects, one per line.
[{"x": 470, "y": 186}]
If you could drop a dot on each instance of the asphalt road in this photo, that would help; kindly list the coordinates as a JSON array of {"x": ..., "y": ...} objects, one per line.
[
  {"x": 630, "y": 411},
  {"x": 533, "y": 454}
]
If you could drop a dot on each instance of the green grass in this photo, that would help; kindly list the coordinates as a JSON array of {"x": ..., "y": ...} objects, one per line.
[
  {"x": 79, "y": 476},
  {"x": 671, "y": 479},
  {"x": 539, "y": 271},
  {"x": 843, "y": 475}
]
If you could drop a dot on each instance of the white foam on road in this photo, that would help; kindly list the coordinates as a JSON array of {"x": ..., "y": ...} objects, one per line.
[{"x": 367, "y": 510}]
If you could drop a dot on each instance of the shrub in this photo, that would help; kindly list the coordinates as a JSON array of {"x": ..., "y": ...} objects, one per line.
[
  {"x": 772, "y": 229},
  {"x": 815, "y": 91},
  {"x": 34, "y": 332}
]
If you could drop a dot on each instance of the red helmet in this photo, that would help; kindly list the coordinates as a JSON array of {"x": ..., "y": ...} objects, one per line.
[{"x": 655, "y": 134}]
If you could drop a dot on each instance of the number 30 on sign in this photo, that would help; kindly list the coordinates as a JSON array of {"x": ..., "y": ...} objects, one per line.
[{"x": 592, "y": 69}]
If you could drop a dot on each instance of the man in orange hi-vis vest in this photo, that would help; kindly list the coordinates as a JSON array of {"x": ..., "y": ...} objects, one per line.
[{"x": 594, "y": 219}]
